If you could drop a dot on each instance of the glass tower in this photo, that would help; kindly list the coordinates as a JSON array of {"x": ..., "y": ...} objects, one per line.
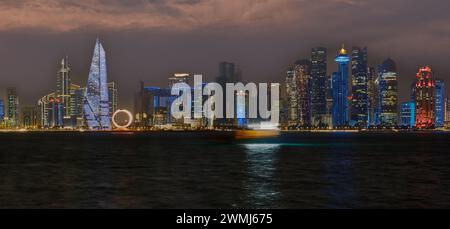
[
  {"x": 302, "y": 71},
  {"x": 319, "y": 86},
  {"x": 2, "y": 110},
  {"x": 440, "y": 103},
  {"x": 359, "y": 108},
  {"x": 388, "y": 94},
  {"x": 407, "y": 114},
  {"x": 96, "y": 104},
  {"x": 425, "y": 99},
  {"x": 340, "y": 90},
  {"x": 63, "y": 89}
]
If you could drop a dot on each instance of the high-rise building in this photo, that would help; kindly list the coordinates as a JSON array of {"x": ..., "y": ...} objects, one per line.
[
  {"x": 407, "y": 114},
  {"x": 42, "y": 111},
  {"x": 388, "y": 94},
  {"x": 340, "y": 90},
  {"x": 113, "y": 98},
  {"x": 302, "y": 71},
  {"x": 13, "y": 107},
  {"x": 28, "y": 117},
  {"x": 2, "y": 110},
  {"x": 63, "y": 83},
  {"x": 329, "y": 113},
  {"x": 55, "y": 113},
  {"x": 447, "y": 112},
  {"x": 152, "y": 107},
  {"x": 292, "y": 102},
  {"x": 228, "y": 73},
  {"x": 77, "y": 94},
  {"x": 425, "y": 99},
  {"x": 319, "y": 86},
  {"x": 440, "y": 103},
  {"x": 372, "y": 97},
  {"x": 359, "y": 101},
  {"x": 96, "y": 104}
]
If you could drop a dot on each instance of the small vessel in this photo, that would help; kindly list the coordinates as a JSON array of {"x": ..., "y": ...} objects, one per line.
[{"x": 263, "y": 130}]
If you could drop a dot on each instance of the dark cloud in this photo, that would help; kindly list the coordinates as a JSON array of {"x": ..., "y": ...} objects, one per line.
[{"x": 151, "y": 39}]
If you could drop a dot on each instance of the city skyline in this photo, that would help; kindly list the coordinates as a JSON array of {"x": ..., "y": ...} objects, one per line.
[{"x": 142, "y": 49}]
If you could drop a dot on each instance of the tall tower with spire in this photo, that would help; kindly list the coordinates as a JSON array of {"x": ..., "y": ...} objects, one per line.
[
  {"x": 96, "y": 104},
  {"x": 63, "y": 87},
  {"x": 340, "y": 90}
]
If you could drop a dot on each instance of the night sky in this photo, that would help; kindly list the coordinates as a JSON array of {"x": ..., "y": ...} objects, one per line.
[{"x": 152, "y": 39}]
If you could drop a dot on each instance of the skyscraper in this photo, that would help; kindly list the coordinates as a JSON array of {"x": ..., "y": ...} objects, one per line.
[
  {"x": 113, "y": 98},
  {"x": 372, "y": 97},
  {"x": 96, "y": 104},
  {"x": 63, "y": 89},
  {"x": 318, "y": 86},
  {"x": 359, "y": 109},
  {"x": 407, "y": 114},
  {"x": 228, "y": 73},
  {"x": 13, "y": 107},
  {"x": 2, "y": 110},
  {"x": 28, "y": 117},
  {"x": 340, "y": 90},
  {"x": 77, "y": 94},
  {"x": 302, "y": 71},
  {"x": 425, "y": 99},
  {"x": 388, "y": 93},
  {"x": 292, "y": 102},
  {"x": 440, "y": 103}
]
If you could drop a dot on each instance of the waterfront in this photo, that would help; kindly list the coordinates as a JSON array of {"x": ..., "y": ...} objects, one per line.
[{"x": 214, "y": 170}]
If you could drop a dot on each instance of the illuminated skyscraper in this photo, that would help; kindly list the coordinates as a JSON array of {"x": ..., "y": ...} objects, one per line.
[
  {"x": 388, "y": 94},
  {"x": 302, "y": 71},
  {"x": 359, "y": 108},
  {"x": 113, "y": 98},
  {"x": 63, "y": 90},
  {"x": 407, "y": 114},
  {"x": 291, "y": 90},
  {"x": 77, "y": 94},
  {"x": 318, "y": 86},
  {"x": 372, "y": 97},
  {"x": 425, "y": 99},
  {"x": 340, "y": 90},
  {"x": 13, "y": 107},
  {"x": 440, "y": 103},
  {"x": 228, "y": 73},
  {"x": 2, "y": 110},
  {"x": 96, "y": 104}
]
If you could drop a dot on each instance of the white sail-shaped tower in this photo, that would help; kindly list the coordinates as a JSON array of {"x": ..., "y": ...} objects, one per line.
[{"x": 96, "y": 104}]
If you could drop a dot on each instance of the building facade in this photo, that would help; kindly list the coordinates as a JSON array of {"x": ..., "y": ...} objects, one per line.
[
  {"x": 319, "y": 86},
  {"x": 302, "y": 71},
  {"x": 359, "y": 97},
  {"x": 291, "y": 94},
  {"x": 96, "y": 104},
  {"x": 440, "y": 103},
  {"x": 63, "y": 84},
  {"x": 388, "y": 94},
  {"x": 113, "y": 98},
  {"x": 407, "y": 114},
  {"x": 340, "y": 91},
  {"x": 13, "y": 108},
  {"x": 425, "y": 99}
]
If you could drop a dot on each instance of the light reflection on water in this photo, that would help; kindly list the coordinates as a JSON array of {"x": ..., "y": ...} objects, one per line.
[{"x": 261, "y": 160}]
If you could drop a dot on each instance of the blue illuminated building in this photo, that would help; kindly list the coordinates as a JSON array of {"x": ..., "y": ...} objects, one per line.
[
  {"x": 2, "y": 110},
  {"x": 407, "y": 114},
  {"x": 340, "y": 90},
  {"x": 440, "y": 103}
]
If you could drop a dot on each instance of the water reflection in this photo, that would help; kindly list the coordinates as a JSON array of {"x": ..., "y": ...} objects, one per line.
[{"x": 260, "y": 182}]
